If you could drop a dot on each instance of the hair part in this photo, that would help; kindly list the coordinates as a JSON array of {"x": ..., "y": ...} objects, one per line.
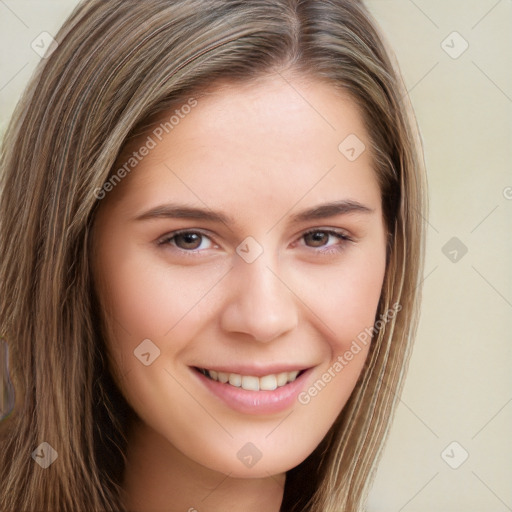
[{"x": 120, "y": 63}]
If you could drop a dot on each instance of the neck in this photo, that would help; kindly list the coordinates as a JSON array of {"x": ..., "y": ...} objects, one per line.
[{"x": 159, "y": 478}]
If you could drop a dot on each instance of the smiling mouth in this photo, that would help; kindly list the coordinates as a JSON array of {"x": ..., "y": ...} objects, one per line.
[{"x": 250, "y": 382}]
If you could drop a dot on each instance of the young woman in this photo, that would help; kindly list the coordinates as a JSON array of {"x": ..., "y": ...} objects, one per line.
[{"x": 211, "y": 250}]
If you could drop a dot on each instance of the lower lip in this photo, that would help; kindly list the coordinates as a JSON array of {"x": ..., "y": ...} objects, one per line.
[{"x": 256, "y": 402}]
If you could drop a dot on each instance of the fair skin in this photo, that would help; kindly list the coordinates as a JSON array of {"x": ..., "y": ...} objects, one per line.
[{"x": 260, "y": 155}]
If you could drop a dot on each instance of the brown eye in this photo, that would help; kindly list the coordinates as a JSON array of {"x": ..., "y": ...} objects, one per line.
[
  {"x": 326, "y": 241},
  {"x": 316, "y": 238},
  {"x": 188, "y": 241},
  {"x": 191, "y": 241}
]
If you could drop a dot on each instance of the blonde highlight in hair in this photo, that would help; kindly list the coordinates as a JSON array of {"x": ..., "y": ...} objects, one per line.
[{"x": 120, "y": 63}]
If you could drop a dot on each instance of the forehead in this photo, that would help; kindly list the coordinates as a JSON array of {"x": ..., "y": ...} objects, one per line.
[{"x": 279, "y": 138}]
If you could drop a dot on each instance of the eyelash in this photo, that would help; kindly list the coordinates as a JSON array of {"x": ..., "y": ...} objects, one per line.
[{"x": 338, "y": 248}]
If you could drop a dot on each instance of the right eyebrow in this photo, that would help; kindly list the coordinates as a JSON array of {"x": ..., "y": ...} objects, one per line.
[{"x": 176, "y": 211}]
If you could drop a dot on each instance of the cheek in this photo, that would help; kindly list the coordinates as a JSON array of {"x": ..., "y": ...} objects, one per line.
[
  {"x": 357, "y": 300},
  {"x": 148, "y": 297},
  {"x": 345, "y": 296},
  {"x": 346, "y": 304},
  {"x": 145, "y": 298}
]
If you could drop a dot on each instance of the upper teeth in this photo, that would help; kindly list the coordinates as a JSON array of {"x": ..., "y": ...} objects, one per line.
[{"x": 266, "y": 383}]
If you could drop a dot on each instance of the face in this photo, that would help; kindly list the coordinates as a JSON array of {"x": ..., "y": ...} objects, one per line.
[{"x": 245, "y": 246}]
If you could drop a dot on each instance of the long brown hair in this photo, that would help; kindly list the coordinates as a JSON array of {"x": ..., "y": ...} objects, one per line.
[{"x": 119, "y": 63}]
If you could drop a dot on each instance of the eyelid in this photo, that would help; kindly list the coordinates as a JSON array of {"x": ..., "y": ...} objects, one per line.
[
  {"x": 342, "y": 235},
  {"x": 165, "y": 240},
  {"x": 332, "y": 231}
]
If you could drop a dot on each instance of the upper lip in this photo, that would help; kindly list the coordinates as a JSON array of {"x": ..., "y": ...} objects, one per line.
[{"x": 255, "y": 371}]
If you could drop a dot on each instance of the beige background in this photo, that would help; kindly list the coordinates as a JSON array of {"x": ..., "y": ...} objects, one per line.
[{"x": 460, "y": 383}]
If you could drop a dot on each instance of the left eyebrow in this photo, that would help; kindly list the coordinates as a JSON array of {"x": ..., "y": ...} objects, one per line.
[{"x": 330, "y": 210}]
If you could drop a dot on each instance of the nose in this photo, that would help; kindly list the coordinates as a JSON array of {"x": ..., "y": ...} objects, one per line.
[{"x": 260, "y": 303}]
